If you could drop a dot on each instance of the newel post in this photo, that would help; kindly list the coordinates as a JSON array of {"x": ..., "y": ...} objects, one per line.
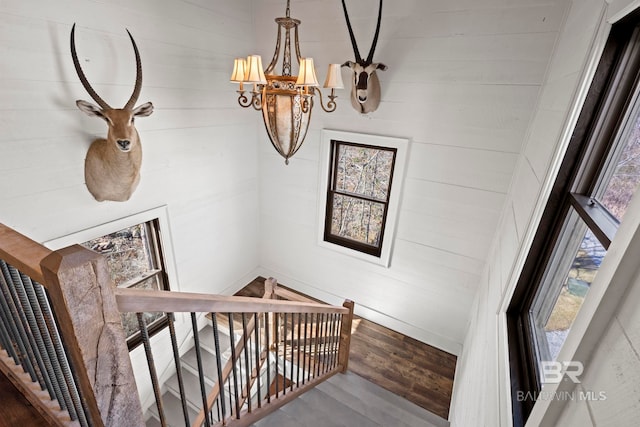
[
  {"x": 270, "y": 286},
  {"x": 345, "y": 336},
  {"x": 82, "y": 298}
]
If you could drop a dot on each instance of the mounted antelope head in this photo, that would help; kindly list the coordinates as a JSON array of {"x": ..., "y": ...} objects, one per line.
[
  {"x": 112, "y": 165},
  {"x": 365, "y": 91}
]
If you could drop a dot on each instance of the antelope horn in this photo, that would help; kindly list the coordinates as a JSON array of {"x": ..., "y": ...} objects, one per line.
[
  {"x": 136, "y": 90},
  {"x": 83, "y": 78},
  {"x": 353, "y": 38},
  {"x": 375, "y": 37}
]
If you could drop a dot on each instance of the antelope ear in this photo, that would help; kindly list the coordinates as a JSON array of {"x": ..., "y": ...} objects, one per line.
[
  {"x": 380, "y": 66},
  {"x": 90, "y": 109},
  {"x": 348, "y": 64},
  {"x": 143, "y": 110}
]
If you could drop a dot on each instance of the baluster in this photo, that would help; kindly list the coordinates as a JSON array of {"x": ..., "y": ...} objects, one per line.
[
  {"x": 234, "y": 358},
  {"x": 18, "y": 323},
  {"x": 256, "y": 331},
  {"x": 246, "y": 361},
  {"x": 216, "y": 342},
  {"x": 293, "y": 327},
  {"x": 176, "y": 359},
  {"x": 304, "y": 348},
  {"x": 40, "y": 350},
  {"x": 266, "y": 337},
  {"x": 152, "y": 367},
  {"x": 277, "y": 341},
  {"x": 66, "y": 402},
  {"x": 284, "y": 355},
  {"x": 203, "y": 392},
  {"x": 61, "y": 355},
  {"x": 317, "y": 347},
  {"x": 298, "y": 364}
]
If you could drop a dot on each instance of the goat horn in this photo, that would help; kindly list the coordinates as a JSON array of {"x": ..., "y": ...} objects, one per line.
[
  {"x": 136, "y": 90},
  {"x": 83, "y": 78},
  {"x": 375, "y": 37},
  {"x": 353, "y": 38}
]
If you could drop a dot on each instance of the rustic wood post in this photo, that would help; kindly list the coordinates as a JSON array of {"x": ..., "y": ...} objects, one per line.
[
  {"x": 270, "y": 286},
  {"x": 345, "y": 336},
  {"x": 82, "y": 297}
]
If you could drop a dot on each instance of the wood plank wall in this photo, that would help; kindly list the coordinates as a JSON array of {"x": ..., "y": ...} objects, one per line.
[
  {"x": 482, "y": 390},
  {"x": 462, "y": 84},
  {"x": 199, "y": 148}
]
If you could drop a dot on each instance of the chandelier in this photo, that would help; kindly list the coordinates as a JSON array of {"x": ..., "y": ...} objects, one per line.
[{"x": 286, "y": 101}]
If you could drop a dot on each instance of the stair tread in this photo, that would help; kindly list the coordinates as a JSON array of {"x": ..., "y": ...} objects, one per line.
[
  {"x": 280, "y": 419},
  {"x": 191, "y": 387},
  {"x": 206, "y": 339},
  {"x": 209, "y": 364},
  {"x": 303, "y": 412},
  {"x": 172, "y": 407},
  {"x": 384, "y": 410},
  {"x": 351, "y": 381},
  {"x": 325, "y": 407}
]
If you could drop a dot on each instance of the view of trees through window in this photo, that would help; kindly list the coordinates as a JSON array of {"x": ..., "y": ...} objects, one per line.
[
  {"x": 616, "y": 196},
  {"x": 134, "y": 262},
  {"x": 359, "y": 192}
]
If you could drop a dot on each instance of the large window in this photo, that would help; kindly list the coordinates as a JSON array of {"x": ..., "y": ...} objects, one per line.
[
  {"x": 360, "y": 187},
  {"x": 596, "y": 181}
]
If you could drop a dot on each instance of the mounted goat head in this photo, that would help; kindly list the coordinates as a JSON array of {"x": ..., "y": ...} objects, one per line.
[
  {"x": 365, "y": 92},
  {"x": 112, "y": 165}
]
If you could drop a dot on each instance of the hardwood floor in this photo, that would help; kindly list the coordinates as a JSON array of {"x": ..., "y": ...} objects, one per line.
[
  {"x": 15, "y": 409},
  {"x": 409, "y": 368}
]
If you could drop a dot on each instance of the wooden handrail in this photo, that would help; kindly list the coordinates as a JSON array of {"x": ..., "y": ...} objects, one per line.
[
  {"x": 140, "y": 300},
  {"x": 22, "y": 253}
]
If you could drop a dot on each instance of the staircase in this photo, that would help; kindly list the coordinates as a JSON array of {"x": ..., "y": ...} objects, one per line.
[
  {"x": 348, "y": 400},
  {"x": 171, "y": 389}
]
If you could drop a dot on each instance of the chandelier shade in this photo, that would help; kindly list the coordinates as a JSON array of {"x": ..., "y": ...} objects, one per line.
[{"x": 286, "y": 101}]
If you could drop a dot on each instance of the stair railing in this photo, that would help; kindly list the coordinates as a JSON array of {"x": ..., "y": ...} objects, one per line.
[
  {"x": 278, "y": 350},
  {"x": 61, "y": 325},
  {"x": 61, "y": 340}
]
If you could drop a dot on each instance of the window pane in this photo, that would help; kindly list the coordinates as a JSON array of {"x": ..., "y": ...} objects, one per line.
[
  {"x": 575, "y": 265},
  {"x": 364, "y": 171},
  {"x": 583, "y": 271},
  {"x": 130, "y": 320},
  {"x": 356, "y": 219},
  {"x": 128, "y": 253},
  {"x": 626, "y": 176}
]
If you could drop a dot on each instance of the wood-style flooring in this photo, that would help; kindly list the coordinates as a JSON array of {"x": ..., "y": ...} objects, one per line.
[
  {"x": 409, "y": 368},
  {"x": 15, "y": 410}
]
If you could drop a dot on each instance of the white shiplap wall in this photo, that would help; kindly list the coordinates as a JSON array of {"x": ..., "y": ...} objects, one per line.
[
  {"x": 462, "y": 84},
  {"x": 607, "y": 341},
  {"x": 199, "y": 149}
]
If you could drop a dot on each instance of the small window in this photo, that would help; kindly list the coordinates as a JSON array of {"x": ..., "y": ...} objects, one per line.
[
  {"x": 358, "y": 195},
  {"x": 139, "y": 256},
  {"x": 360, "y": 187},
  {"x": 135, "y": 261}
]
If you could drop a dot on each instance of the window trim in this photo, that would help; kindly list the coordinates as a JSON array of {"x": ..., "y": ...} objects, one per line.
[
  {"x": 401, "y": 145},
  {"x": 163, "y": 246},
  {"x": 581, "y": 165}
]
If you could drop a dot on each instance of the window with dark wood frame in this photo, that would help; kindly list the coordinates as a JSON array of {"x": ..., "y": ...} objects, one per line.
[
  {"x": 592, "y": 190},
  {"x": 136, "y": 260},
  {"x": 359, "y": 186}
]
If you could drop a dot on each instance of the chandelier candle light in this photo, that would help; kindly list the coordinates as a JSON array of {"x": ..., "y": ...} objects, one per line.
[{"x": 286, "y": 101}]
